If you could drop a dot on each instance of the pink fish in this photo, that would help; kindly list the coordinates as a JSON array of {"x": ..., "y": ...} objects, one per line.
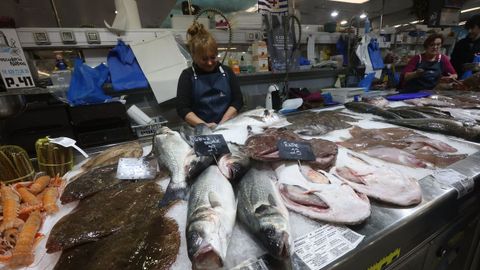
[{"x": 332, "y": 202}]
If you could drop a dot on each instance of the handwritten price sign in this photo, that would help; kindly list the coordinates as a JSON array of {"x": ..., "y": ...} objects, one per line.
[
  {"x": 208, "y": 145},
  {"x": 295, "y": 150}
]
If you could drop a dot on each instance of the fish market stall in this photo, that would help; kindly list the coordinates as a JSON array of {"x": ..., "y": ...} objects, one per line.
[{"x": 438, "y": 226}]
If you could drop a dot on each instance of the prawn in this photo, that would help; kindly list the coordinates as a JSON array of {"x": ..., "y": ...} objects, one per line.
[
  {"x": 40, "y": 184},
  {"x": 23, "y": 252},
  {"x": 10, "y": 203},
  {"x": 49, "y": 200}
]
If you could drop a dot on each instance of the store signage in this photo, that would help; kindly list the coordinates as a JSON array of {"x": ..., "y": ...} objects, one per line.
[
  {"x": 13, "y": 65},
  {"x": 295, "y": 150},
  {"x": 208, "y": 145}
]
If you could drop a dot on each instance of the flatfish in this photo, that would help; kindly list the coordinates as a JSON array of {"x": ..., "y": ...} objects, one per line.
[
  {"x": 113, "y": 154},
  {"x": 105, "y": 213},
  {"x": 318, "y": 123},
  {"x": 89, "y": 183},
  {"x": 153, "y": 243}
]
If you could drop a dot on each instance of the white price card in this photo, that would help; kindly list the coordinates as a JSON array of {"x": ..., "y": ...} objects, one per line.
[
  {"x": 461, "y": 183},
  {"x": 251, "y": 264},
  {"x": 324, "y": 245},
  {"x": 13, "y": 65}
]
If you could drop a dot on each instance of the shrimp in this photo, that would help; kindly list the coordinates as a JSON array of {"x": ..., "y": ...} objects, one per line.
[
  {"x": 23, "y": 252},
  {"x": 10, "y": 203},
  {"x": 49, "y": 200},
  {"x": 40, "y": 184}
]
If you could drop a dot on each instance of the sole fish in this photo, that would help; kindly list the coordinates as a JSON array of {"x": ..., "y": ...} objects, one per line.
[
  {"x": 210, "y": 219},
  {"x": 113, "y": 154},
  {"x": 261, "y": 209},
  {"x": 335, "y": 202}
]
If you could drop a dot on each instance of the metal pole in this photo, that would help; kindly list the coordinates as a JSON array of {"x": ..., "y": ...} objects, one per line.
[
  {"x": 381, "y": 15},
  {"x": 57, "y": 18}
]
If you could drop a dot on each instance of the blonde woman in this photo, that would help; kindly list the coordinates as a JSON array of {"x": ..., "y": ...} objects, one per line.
[{"x": 208, "y": 92}]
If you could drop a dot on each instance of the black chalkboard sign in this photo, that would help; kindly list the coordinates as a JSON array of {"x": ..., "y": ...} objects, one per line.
[
  {"x": 208, "y": 145},
  {"x": 295, "y": 150}
]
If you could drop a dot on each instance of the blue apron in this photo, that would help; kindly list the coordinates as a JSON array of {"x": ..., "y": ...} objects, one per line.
[
  {"x": 433, "y": 72},
  {"x": 211, "y": 95}
]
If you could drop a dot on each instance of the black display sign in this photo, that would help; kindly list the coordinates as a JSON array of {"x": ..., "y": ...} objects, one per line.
[
  {"x": 208, "y": 145},
  {"x": 295, "y": 150}
]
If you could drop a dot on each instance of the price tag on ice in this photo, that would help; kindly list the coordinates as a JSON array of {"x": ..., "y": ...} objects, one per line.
[
  {"x": 295, "y": 150},
  {"x": 461, "y": 183},
  {"x": 208, "y": 145}
]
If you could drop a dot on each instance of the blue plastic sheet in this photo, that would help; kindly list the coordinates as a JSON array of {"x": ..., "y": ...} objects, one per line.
[
  {"x": 367, "y": 81},
  {"x": 86, "y": 84},
  {"x": 375, "y": 54},
  {"x": 125, "y": 72}
]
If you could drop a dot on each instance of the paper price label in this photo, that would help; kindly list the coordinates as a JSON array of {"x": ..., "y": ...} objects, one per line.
[
  {"x": 295, "y": 150},
  {"x": 208, "y": 145},
  {"x": 324, "y": 245},
  {"x": 461, "y": 183}
]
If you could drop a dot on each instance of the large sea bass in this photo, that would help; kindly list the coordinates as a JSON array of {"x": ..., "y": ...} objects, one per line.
[
  {"x": 210, "y": 219},
  {"x": 261, "y": 209},
  {"x": 175, "y": 154}
]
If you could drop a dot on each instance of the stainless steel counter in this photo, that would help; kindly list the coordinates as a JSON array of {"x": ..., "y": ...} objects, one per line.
[{"x": 410, "y": 229}]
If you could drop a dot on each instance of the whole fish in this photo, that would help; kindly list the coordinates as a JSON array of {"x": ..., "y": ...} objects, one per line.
[
  {"x": 409, "y": 113},
  {"x": 113, "y": 154},
  {"x": 210, "y": 219},
  {"x": 257, "y": 117},
  {"x": 261, "y": 209},
  {"x": 151, "y": 244},
  {"x": 443, "y": 126},
  {"x": 362, "y": 107},
  {"x": 234, "y": 164},
  {"x": 381, "y": 183},
  {"x": 89, "y": 183},
  {"x": 318, "y": 123},
  {"x": 174, "y": 153},
  {"x": 264, "y": 147},
  {"x": 106, "y": 212},
  {"x": 334, "y": 202},
  {"x": 396, "y": 156}
]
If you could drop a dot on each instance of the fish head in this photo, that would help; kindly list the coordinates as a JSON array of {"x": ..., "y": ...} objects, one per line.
[
  {"x": 207, "y": 243},
  {"x": 274, "y": 231}
]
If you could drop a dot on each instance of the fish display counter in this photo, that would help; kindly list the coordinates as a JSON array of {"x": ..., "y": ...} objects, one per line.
[{"x": 422, "y": 209}]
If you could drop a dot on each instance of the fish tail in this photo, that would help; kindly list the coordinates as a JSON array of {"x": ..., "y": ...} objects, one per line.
[{"x": 172, "y": 195}]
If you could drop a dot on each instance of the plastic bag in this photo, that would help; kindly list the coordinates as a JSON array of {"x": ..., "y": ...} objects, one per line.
[
  {"x": 86, "y": 84},
  {"x": 125, "y": 72}
]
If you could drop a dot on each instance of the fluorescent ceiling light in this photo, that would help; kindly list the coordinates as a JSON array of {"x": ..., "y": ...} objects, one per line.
[
  {"x": 351, "y": 1},
  {"x": 469, "y": 9},
  {"x": 334, "y": 13},
  {"x": 343, "y": 22}
]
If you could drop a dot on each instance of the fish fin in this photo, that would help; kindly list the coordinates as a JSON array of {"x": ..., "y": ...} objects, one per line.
[
  {"x": 271, "y": 200},
  {"x": 173, "y": 194},
  {"x": 214, "y": 200}
]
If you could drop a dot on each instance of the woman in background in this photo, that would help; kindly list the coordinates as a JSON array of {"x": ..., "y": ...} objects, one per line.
[
  {"x": 425, "y": 71},
  {"x": 208, "y": 92}
]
